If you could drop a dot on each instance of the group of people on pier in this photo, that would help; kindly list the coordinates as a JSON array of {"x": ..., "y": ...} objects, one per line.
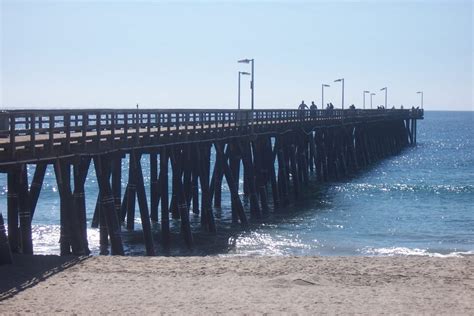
[{"x": 303, "y": 107}]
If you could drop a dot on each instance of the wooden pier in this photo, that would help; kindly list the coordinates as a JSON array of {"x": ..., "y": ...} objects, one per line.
[{"x": 276, "y": 150}]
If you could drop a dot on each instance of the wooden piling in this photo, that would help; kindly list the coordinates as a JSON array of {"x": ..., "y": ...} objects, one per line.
[
  {"x": 261, "y": 177},
  {"x": 165, "y": 220},
  {"x": 282, "y": 171},
  {"x": 62, "y": 177},
  {"x": 232, "y": 187},
  {"x": 217, "y": 183},
  {"x": 176, "y": 158},
  {"x": 117, "y": 182},
  {"x": 234, "y": 164},
  {"x": 5, "y": 251},
  {"x": 154, "y": 187},
  {"x": 35, "y": 187},
  {"x": 143, "y": 204},
  {"x": 203, "y": 153},
  {"x": 271, "y": 156},
  {"x": 249, "y": 167},
  {"x": 294, "y": 171},
  {"x": 80, "y": 170},
  {"x": 108, "y": 208},
  {"x": 131, "y": 197},
  {"x": 12, "y": 204},
  {"x": 24, "y": 212}
]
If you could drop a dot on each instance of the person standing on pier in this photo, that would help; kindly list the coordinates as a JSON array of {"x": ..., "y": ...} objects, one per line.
[
  {"x": 302, "y": 107},
  {"x": 313, "y": 109}
]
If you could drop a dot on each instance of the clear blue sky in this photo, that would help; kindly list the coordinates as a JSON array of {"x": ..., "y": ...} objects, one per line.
[{"x": 163, "y": 54}]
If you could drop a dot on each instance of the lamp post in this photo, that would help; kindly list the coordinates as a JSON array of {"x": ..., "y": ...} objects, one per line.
[
  {"x": 341, "y": 80},
  {"x": 421, "y": 92},
  {"x": 371, "y": 95},
  {"x": 364, "y": 97},
  {"x": 238, "y": 98},
  {"x": 252, "y": 83},
  {"x": 322, "y": 94},
  {"x": 385, "y": 88}
]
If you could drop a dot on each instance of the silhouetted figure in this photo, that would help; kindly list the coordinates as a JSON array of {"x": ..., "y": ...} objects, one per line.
[
  {"x": 302, "y": 107},
  {"x": 313, "y": 109},
  {"x": 352, "y": 107},
  {"x": 401, "y": 106}
]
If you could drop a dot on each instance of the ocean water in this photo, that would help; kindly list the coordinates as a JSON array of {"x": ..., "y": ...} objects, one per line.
[{"x": 417, "y": 203}]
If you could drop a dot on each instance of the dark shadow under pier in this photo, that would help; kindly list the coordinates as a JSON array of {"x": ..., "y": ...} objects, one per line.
[{"x": 29, "y": 270}]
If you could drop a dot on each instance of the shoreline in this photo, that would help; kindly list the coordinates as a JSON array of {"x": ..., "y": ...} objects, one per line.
[{"x": 237, "y": 285}]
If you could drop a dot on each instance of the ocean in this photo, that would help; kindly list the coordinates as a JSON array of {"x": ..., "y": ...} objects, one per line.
[{"x": 419, "y": 202}]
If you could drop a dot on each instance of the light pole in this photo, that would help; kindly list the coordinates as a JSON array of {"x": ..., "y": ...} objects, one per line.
[
  {"x": 371, "y": 95},
  {"x": 385, "y": 88},
  {"x": 322, "y": 94},
  {"x": 252, "y": 83},
  {"x": 421, "y": 92},
  {"x": 341, "y": 80},
  {"x": 364, "y": 97},
  {"x": 238, "y": 99}
]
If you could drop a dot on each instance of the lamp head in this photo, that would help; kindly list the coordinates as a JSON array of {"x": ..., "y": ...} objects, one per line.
[
  {"x": 339, "y": 80},
  {"x": 244, "y": 73},
  {"x": 420, "y": 92},
  {"x": 326, "y": 85},
  {"x": 372, "y": 94},
  {"x": 385, "y": 88},
  {"x": 245, "y": 61},
  {"x": 366, "y": 91}
]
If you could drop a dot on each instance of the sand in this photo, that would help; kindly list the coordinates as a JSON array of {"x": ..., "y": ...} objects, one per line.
[{"x": 238, "y": 285}]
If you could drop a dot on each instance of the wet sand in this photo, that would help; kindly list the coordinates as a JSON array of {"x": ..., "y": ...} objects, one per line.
[{"x": 238, "y": 285}]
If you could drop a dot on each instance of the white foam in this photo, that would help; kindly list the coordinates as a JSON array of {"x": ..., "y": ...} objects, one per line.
[{"x": 404, "y": 251}]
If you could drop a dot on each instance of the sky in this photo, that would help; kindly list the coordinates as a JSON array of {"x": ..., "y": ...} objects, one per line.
[{"x": 115, "y": 54}]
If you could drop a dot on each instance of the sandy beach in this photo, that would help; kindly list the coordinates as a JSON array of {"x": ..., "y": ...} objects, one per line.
[{"x": 238, "y": 285}]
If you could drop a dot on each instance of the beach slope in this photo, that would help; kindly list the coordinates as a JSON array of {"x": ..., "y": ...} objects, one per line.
[{"x": 236, "y": 285}]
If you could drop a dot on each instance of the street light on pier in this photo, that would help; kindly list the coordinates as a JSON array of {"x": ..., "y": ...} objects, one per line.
[
  {"x": 385, "y": 88},
  {"x": 341, "y": 80},
  {"x": 371, "y": 95},
  {"x": 364, "y": 97},
  {"x": 322, "y": 94},
  {"x": 421, "y": 92},
  {"x": 238, "y": 98},
  {"x": 252, "y": 83}
]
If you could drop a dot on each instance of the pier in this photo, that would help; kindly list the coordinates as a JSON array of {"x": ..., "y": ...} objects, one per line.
[{"x": 276, "y": 150}]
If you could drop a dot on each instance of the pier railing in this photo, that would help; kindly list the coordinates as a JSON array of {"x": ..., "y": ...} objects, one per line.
[{"x": 32, "y": 135}]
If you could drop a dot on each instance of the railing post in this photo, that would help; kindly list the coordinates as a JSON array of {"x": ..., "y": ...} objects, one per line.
[
  {"x": 85, "y": 123},
  {"x": 33, "y": 134},
  {"x": 51, "y": 132},
  {"x": 158, "y": 125},
  {"x": 125, "y": 125},
  {"x": 148, "y": 123},
  {"x": 12, "y": 136},
  {"x": 112, "y": 129},
  {"x": 98, "y": 126},
  {"x": 67, "y": 128},
  {"x": 137, "y": 128}
]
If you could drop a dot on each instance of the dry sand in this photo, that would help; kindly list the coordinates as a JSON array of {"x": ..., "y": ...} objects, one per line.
[{"x": 238, "y": 285}]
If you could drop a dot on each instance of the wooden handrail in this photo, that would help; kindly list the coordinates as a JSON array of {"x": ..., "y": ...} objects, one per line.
[{"x": 39, "y": 133}]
